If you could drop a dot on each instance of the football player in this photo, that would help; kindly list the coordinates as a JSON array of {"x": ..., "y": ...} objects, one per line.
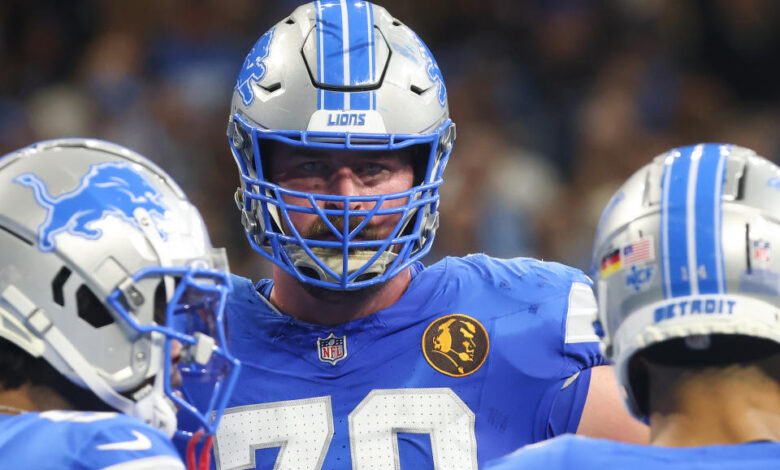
[
  {"x": 108, "y": 284},
  {"x": 689, "y": 310},
  {"x": 355, "y": 355}
]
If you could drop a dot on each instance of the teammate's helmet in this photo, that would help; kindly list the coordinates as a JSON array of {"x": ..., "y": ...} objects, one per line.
[
  {"x": 103, "y": 262},
  {"x": 340, "y": 75},
  {"x": 683, "y": 256}
]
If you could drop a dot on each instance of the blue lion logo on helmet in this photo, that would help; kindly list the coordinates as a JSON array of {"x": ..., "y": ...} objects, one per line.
[
  {"x": 108, "y": 189},
  {"x": 253, "y": 69},
  {"x": 434, "y": 72}
]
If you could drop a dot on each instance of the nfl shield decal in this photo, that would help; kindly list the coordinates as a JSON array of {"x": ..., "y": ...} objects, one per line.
[{"x": 332, "y": 349}]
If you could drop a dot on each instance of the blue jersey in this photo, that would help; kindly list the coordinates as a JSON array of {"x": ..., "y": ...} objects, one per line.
[
  {"x": 479, "y": 356},
  {"x": 77, "y": 440},
  {"x": 582, "y": 453}
]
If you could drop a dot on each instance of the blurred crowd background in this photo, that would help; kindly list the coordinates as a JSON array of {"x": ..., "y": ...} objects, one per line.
[{"x": 556, "y": 101}]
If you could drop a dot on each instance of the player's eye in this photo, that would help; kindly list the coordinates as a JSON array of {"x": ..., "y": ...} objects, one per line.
[
  {"x": 372, "y": 169},
  {"x": 313, "y": 167}
]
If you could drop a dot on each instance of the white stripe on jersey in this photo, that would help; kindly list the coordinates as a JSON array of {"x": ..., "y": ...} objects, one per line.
[
  {"x": 141, "y": 442},
  {"x": 581, "y": 314}
]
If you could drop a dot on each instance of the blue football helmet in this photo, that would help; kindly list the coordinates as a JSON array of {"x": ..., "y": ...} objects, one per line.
[
  {"x": 340, "y": 75},
  {"x": 103, "y": 264}
]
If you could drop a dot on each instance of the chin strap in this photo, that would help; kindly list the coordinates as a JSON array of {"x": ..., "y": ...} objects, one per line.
[{"x": 204, "y": 461}]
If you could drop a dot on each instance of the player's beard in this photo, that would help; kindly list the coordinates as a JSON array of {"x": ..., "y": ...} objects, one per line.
[{"x": 319, "y": 230}]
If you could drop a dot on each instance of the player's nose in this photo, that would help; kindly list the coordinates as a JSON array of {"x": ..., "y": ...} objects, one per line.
[{"x": 344, "y": 182}]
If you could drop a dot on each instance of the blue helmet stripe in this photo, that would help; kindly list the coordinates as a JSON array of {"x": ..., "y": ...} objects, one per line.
[
  {"x": 330, "y": 52},
  {"x": 372, "y": 50},
  {"x": 708, "y": 207},
  {"x": 361, "y": 51},
  {"x": 361, "y": 100},
  {"x": 675, "y": 190},
  {"x": 346, "y": 51}
]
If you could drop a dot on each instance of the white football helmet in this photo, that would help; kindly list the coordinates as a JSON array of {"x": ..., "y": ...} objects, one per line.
[
  {"x": 340, "y": 75},
  {"x": 683, "y": 256},
  {"x": 103, "y": 263}
]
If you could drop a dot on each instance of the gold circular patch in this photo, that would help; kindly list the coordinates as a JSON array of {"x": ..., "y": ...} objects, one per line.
[{"x": 456, "y": 345}]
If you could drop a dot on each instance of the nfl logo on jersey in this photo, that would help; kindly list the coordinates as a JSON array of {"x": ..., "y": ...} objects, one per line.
[{"x": 332, "y": 349}]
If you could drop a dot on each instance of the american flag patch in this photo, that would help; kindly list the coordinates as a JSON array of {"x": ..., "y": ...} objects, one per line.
[
  {"x": 762, "y": 251},
  {"x": 640, "y": 251}
]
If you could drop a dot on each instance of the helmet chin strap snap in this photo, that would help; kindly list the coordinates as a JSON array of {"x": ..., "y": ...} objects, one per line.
[{"x": 333, "y": 259}]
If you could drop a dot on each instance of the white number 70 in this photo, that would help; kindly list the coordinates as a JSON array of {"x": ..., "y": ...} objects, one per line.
[{"x": 304, "y": 428}]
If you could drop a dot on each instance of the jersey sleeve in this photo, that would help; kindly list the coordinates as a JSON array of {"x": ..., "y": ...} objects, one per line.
[
  {"x": 543, "y": 331},
  {"x": 125, "y": 443},
  {"x": 581, "y": 352},
  {"x": 574, "y": 350}
]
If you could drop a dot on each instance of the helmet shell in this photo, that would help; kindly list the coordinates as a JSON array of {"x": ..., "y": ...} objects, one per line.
[
  {"x": 329, "y": 57},
  {"x": 684, "y": 249}
]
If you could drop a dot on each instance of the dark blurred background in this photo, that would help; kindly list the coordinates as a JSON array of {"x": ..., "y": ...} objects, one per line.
[{"x": 556, "y": 101}]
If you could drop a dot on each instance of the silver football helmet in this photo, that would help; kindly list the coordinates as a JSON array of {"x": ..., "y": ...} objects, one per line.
[
  {"x": 683, "y": 252},
  {"x": 340, "y": 75},
  {"x": 103, "y": 263}
]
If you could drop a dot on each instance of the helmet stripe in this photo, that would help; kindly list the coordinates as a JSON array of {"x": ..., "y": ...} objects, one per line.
[
  {"x": 330, "y": 52},
  {"x": 371, "y": 50},
  {"x": 708, "y": 211},
  {"x": 675, "y": 193},
  {"x": 691, "y": 213},
  {"x": 691, "y": 220},
  {"x": 360, "y": 52},
  {"x": 346, "y": 51}
]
